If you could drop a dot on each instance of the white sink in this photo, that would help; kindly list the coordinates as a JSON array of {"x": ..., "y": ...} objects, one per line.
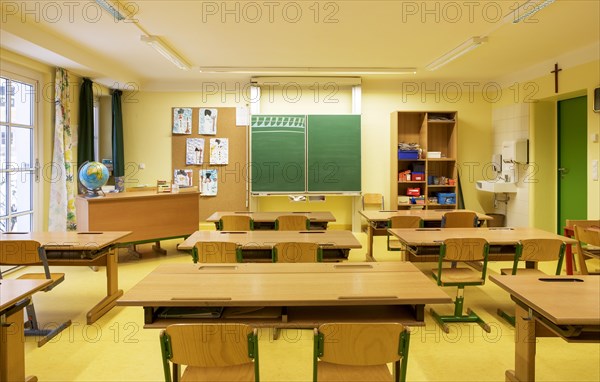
[{"x": 497, "y": 186}]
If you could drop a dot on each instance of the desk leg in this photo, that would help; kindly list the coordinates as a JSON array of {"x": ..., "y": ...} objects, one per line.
[
  {"x": 568, "y": 232},
  {"x": 370, "y": 234},
  {"x": 525, "y": 342},
  {"x": 112, "y": 288},
  {"x": 12, "y": 348}
]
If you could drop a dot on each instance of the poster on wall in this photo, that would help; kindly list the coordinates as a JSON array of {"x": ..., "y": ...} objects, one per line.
[
  {"x": 208, "y": 121},
  {"x": 182, "y": 120},
  {"x": 194, "y": 152},
  {"x": 219, "y": 150},
  {"x": 183, "y": 178},
  {"x": 208, "y": 182}
]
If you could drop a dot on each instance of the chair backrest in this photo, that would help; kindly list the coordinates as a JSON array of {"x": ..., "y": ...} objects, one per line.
[
  {"x": 217, "y": 252},
  {"x": 539, "y": 250},
  {"x": 23, "y": 252},
  {"x": 587, "y": 235},
  {"x": 405, "y": 222},
  {"x": 297, "y": 252},
  {"x": 582, "y": 223},
  {"x": 464, "y": 249},
  {"x": 236, "y": 223},
  {"x": 292, "y": 223},
  {"x": 361, "y": 344},
  {"x": 209, "y": 345},
  {"x": 459, "y": 219},
  {"x": 372, "y": 200}
]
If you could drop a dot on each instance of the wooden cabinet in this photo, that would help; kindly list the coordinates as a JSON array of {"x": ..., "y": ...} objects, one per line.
[{"x": 436, "y": 135}]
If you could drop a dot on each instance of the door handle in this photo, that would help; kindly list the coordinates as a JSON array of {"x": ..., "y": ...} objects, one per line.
[{"x": 563, "y": 170}]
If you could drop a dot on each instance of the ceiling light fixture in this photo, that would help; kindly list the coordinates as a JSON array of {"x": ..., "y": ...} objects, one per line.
[
  {"x": 312, "y": 70},
  {"x": 113, "y": 8},
  {"x": 452, "y": 55},
  {"x": 166, "y": 52},
  {"x": 529, "y": 12}
]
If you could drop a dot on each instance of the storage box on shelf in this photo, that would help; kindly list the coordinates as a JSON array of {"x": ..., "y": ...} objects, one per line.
[{"x": 433, "y": 169}]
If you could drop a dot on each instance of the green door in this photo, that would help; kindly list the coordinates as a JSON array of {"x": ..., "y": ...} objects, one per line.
[{"x": 572, "y": 160}]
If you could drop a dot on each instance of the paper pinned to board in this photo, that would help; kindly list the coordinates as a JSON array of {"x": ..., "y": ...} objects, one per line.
[{"x": 242, "y": 116}]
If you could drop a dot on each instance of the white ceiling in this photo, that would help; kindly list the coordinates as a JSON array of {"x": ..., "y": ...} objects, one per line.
[{"x": 82, "y": 37}]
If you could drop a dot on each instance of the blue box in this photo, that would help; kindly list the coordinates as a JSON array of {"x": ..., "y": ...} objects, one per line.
[
  {"x": 410, "y": 154},
  {"x": 446, "y": 198}
]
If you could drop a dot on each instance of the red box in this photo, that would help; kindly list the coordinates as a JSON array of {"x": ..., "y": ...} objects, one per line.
[
  {"x": 413, "y": 192},
  {"x": 418, "y": 176}
]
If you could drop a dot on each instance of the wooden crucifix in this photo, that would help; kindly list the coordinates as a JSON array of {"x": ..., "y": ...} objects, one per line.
[{"x": 555, "y": 71}]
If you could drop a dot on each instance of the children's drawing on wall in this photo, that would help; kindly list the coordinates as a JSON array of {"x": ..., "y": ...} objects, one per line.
[
  {"x": 208, "y": 121},
  {"x": 208, "y": 182},
  {"x": 194, "y": 153},
  {"x": 219, "y": 150},
  {"x": 182, "y": 120},
  {"x": 183, "y": 178}
]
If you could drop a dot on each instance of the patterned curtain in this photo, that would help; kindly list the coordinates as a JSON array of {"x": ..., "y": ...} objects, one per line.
[{"x": 63, "y": 186}]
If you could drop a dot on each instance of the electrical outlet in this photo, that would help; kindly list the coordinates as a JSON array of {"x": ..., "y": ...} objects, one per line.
[{"x": 142, "y": 166}]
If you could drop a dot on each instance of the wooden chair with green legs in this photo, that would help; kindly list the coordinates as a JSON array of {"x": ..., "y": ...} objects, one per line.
[
  {"x": 401, "y": 222},
  {"x": 211, "y": 352},
  {"x": 534, "y": 251},
  {"x": 217, "y": 252},
  {"x": 463, "y": 250},
  {"x": 360, "y": 352}
]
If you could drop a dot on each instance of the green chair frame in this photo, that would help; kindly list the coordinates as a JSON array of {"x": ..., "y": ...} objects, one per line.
[
  {"x": 399, "y": 357},
  {"x": 224, "y": 219},
  {"x": 464, "y": 255},
  {"x": 293, "y": 217}
]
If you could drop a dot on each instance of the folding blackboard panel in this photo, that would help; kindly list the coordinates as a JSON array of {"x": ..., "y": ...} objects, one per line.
[{"x": 333, "y": 153}]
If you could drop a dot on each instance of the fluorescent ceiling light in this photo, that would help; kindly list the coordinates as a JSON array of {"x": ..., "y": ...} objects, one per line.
[
  {"x": 452, "y": 55},
  {"x": 113, "y": 8},
  {"x": 166, "y": 51},
  {"x": 527, "y": 8},
  {"x": 289, "y": 70}
]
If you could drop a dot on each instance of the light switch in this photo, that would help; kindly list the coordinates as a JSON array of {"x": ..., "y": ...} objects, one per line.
[{"x": 142, "y": 166}]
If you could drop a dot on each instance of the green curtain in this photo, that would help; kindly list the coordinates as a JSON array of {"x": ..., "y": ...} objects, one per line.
[
  {"x": 85, "y": 134},
  {"x": 117, "y": 135}
]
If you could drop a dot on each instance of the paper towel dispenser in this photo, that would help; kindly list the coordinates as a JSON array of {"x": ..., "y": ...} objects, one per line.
[{"x": 515, "y": 151}]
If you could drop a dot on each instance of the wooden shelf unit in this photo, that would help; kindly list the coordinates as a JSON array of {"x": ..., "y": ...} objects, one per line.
[{"x": 433, "y": 131}]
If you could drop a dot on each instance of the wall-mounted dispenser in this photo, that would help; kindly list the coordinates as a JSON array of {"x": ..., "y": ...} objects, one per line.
[{"x": 515, "y": 151}]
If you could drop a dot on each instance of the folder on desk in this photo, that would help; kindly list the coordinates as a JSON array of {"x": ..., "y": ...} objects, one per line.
[{"x": 191, "y": 312}]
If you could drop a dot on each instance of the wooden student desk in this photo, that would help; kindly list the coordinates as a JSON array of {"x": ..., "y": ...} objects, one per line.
[
  {"x": 82, "y": 249},
  {"x": 421, "y": 242},
  {"x": 149, "y": 216},
  {"x": 266, "y": 220},
  {"x": 308, "y": 294},
  {"x": 562, "y": 308},
  {"x": 377, "y": 222},
  {"x": 258, "y": 244},
  {"x": 14, "y": 296}
]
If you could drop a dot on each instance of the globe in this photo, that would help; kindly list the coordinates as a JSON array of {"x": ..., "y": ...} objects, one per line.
[{"x": 92, "y": 176}]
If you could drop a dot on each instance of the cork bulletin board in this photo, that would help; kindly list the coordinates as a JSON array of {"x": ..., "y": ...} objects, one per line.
[{"x": 231, "y": 192}]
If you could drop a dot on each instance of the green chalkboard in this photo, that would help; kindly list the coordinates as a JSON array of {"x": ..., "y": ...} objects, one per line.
[
  {"x": 278, "y": 153},
  {"x": 333, "y": 153},
  {"x": 300, "y": 153}
]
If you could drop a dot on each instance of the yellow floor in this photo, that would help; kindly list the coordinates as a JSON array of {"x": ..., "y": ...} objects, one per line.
[{"x": 118, "y": 348}]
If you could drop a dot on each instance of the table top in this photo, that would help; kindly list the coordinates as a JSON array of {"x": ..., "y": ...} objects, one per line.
[
  {"x": 284, "y": 285},
  {"x": 265, "y": 239},
  {"x": 13, "y": 291},
  {"x": 268, "y": 217},
  {"x": 562, "y": 302},
  {"x": 495, "y": 236},
  {"x": 428, "y": 215},
  {"x": 71, "y": 240}
]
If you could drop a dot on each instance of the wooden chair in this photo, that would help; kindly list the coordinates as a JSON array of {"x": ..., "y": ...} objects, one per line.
[
  {"x": 461, "y": 250},
  {"x": 401, "y": 222},
  {"x": 581, "y": 223},
  {"x": 297, "y": 252},
  {"x": 459, "y": 219},
  {"x": 236, "y": 223},
  {"x": 292, "y": 223},
  {"x": 217, "y": 252},
  {"x": 534, "y": 250},
  {"x": 29, "y": 252},
  {"x": 588, "y": 245},
  {"x": 360, "y": 352},
  {"x": 372, "y": 200},
  {"x": 212, "y": 352}
]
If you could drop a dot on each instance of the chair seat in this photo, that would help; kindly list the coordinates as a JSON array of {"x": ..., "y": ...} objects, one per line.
[
  {"x": 244, "y": 372},
  {"x": 57, "y": 278},
  {"x": 451, "y": 276},
  {"x": 591, "y": 251},
  {"x": 333, "y": 372},
  {"x": 523, "y": 271},
  {"x": 395, "y": 244}
]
